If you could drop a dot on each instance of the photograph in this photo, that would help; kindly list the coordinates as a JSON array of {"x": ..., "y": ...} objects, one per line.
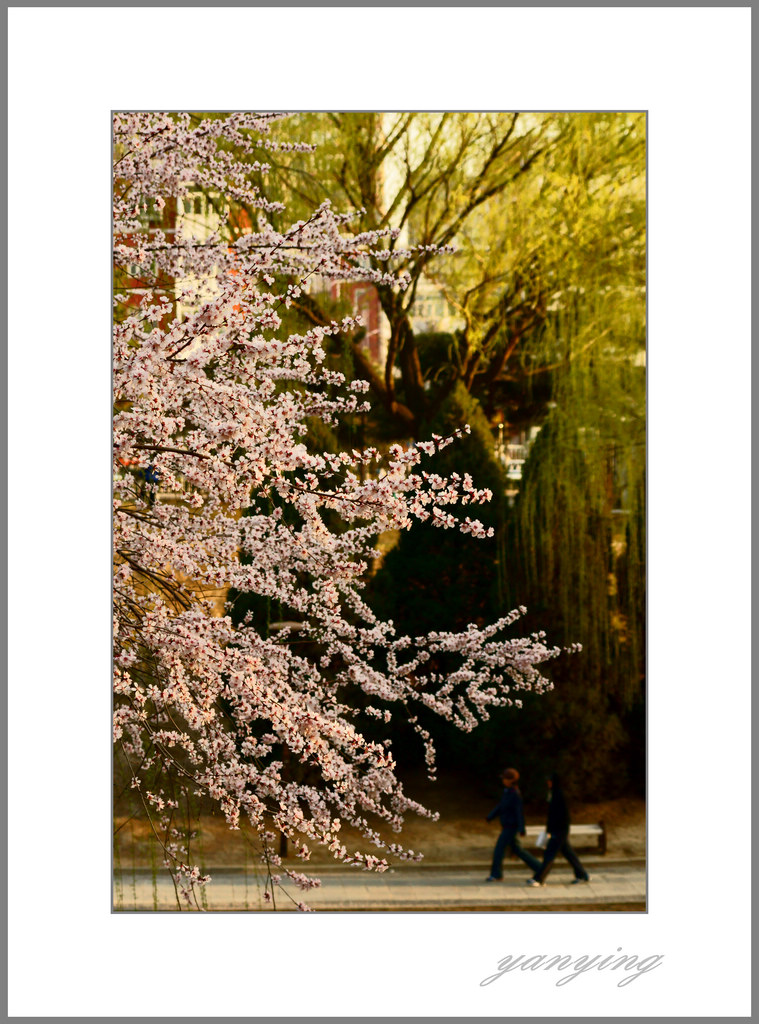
[{"x": 379, "y": 512}]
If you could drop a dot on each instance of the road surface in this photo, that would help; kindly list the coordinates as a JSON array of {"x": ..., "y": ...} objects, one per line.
[{"x": 615, "y": 886}]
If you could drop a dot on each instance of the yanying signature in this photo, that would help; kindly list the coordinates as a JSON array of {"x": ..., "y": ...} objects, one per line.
[{"x": 632, "y": 965}]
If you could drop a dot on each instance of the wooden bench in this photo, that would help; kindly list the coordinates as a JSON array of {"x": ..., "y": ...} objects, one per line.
[{"x": 580, "y": 836}]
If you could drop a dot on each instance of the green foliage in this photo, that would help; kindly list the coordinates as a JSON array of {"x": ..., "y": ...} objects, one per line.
[
  {"x": 552, "y": 268},
  {"x": 321, "y": 437},
  {"x": 549, "y": 283},
  {"x": 574, "y": 551},
  {"x": 441, "y": 579},
  {"x": 577, "y": 538},
  {"x": 436, "y": 349},
  {"x": 597, "y": 756}
]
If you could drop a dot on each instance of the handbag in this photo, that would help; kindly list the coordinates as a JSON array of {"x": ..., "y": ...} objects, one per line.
[{"x": 542, "y": 840}]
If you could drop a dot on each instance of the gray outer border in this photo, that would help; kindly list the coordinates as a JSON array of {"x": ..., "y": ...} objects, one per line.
[
  {"x": 4, "y": 525},
  {"x": 3, "y": 627}
]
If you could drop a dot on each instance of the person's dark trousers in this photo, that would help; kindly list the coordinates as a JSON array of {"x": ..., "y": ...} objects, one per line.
[
  {"x": 509, "y": 838},
  {"x": 559, "y": 844}
]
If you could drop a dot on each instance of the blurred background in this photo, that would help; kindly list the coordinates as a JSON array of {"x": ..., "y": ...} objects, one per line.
[{"x": 533, "y": 331}]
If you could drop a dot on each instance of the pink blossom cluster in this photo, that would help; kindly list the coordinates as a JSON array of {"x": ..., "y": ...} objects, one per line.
[{"x": 215, "y": 489}]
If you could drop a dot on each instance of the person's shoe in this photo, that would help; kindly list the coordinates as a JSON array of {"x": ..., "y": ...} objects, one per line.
[
  {"x": 579, "y": 881},
  {"x": 534, "y": 882},
  {"x": 492, "y": 878}
]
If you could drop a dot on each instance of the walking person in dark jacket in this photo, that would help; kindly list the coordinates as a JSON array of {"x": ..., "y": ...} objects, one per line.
[
  {"x": 511, "y": 815},
  {"x": 557, "y": 827}
]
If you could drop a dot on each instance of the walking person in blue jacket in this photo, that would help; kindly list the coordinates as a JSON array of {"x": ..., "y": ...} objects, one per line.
[
  {"x": 511, "y": 815},
  {"x": 557, "y": 827}
]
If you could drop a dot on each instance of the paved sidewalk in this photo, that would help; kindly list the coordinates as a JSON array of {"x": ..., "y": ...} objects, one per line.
[{"x": 613, "y": 886}]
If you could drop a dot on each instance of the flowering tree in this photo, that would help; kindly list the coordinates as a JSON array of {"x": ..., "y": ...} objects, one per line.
[{"x": 211, "y": 405}]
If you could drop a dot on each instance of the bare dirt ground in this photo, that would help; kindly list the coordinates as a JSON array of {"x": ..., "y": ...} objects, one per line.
[{"x": 461, "y": 836}]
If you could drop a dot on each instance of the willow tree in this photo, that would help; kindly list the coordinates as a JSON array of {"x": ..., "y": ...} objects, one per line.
[
  {"x": 549, "y": 279},
  {"x": 573, "y": 226},
  {"x": 423, "y": 178},
  {"x": 496, "y": 187},
  {"x": 577, "y": 540},
  {"x": 547, "y": 215}
]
